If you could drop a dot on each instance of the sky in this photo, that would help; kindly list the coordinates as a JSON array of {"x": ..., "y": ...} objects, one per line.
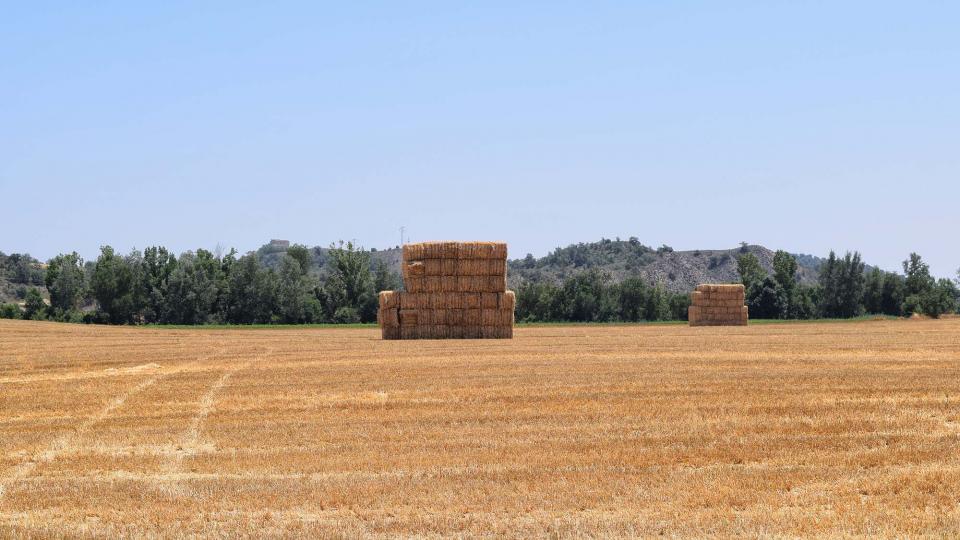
[{"x": 806, "y": 126}]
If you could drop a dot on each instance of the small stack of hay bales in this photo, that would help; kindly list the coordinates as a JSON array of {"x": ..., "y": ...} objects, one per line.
[
  {"x": 454, "y": 290},
  {"x": 717, "y": 305}
]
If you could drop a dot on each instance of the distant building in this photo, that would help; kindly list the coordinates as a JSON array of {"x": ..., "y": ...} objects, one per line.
[{"x": 282, "y": 244}]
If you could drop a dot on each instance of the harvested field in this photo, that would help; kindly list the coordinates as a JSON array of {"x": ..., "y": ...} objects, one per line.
[{"x": 802, "y": 429}]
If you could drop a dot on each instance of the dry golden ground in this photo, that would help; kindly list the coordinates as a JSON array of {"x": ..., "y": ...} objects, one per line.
[{"x": 774, "y": 430}]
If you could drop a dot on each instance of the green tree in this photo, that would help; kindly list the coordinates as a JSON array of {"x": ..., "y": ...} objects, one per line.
[
  {"x": 917, "y": 272},
  {"x": 293, "y": 291},
  {"x": 893, "y": 295},
  {"x": 768, "y": 300},
  {"x": 657, "y": 306},
  {"x": 842, "y": 284},
  {"x": 252, "y": 292},
  {"x": 786, "y": 292},
  {"x": 918, "y": 284},
  {"x": 536, "y": 301},
  {"x": 632, "y": 298},
  {"x": 192, "y": 289},
  {"x": 35, "y": 308},
  {"x": 301, "y": 254},
  {"x": 113, "y": 286},
  {"x": 586, "y": 297},
  {"x": 384, "y": 279},
  {"x": 751, "y": 273},
  {"x": 804, "y": 301},
  {"x": 348, "y": 284},
  {"x": 785, "y": 270},
  {"x": 679, "y": 304},
  {"x": 939, "y": 299},
  {"x": 158, "y": 265},
  {"x": 873, "y": 291},
  {"x": 65, "y": 282},
  {"x": 10, "y": 311}
]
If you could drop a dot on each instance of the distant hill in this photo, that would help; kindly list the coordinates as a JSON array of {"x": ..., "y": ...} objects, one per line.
[{"x": 678, "y": 271}]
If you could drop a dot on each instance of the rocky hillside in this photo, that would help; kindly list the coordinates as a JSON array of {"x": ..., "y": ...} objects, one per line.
[{"x": 678, "y": 271}]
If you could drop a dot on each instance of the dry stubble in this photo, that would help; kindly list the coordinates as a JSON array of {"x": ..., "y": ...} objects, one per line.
[{"x": 832, "y": 429}]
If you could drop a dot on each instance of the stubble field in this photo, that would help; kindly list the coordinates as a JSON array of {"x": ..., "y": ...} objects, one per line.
[{"x": 781, "y": 430}]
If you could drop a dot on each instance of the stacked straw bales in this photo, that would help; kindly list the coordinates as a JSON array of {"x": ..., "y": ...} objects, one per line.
[
  {"x": 717, "y": 305},
  {"x": 454, "y": 290}
]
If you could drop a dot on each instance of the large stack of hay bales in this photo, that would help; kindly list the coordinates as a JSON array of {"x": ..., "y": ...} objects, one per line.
[
  {"x": 454, "y": 290},
  {"x": 717, "y": 305}
]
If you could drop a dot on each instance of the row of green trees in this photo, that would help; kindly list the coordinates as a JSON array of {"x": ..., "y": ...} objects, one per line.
[
  {"x": 591, "y": 296},
  {"x": 155, "y": 286},
  {"x": 844, "y": 289}
]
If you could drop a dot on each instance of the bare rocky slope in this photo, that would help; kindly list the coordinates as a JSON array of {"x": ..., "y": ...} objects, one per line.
[{"x": 677, "y": 271}]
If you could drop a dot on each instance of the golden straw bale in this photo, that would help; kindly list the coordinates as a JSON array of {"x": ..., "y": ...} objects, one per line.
[
  {"x": 450, "y": 300},
  {"x": 424, "y": 332},
  {"x": 390, "y": 332},
  {"x": 415, "y": 269},
  {"x": 449, "y": 267},
  {"x": 433, "y": 267},
  {"x": 425, "y": 300},
  {"x": 508, "y": 300},
  {"x": 420, "y": 284},
  {"x": 414, "y": 284},
  {"x": 409, "y": 332},
  {"x": 388, "y": 317},
  {"x": 471, "y": 317},
  {"x": 478, "y": 283},
  {"x": 412, "y": 252},
  {"x": 449, "y": 284},
  {"x": 470, "y": 300},
  {"x": 450, "y": 317},
  {"x": 408, "y": 317},
  {"x": 490, "y": 300},
  {"x": 467, "y": 267},
  {"x": 389, "y": 299},
  {"x": 489, "y": 317}
]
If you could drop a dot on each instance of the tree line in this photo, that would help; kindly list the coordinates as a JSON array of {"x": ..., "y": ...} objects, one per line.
[
  {"x": 156, "y": 287},
  {"x": 844, "y": 289}
]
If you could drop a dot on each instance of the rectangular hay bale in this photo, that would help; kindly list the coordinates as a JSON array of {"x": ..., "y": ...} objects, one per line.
[
  {"x": 390, "y": 332},
  {"x": 409, "y": 317}
]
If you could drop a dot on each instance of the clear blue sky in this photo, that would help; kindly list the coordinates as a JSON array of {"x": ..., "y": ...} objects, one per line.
[{"x": 798, "y": 125}]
